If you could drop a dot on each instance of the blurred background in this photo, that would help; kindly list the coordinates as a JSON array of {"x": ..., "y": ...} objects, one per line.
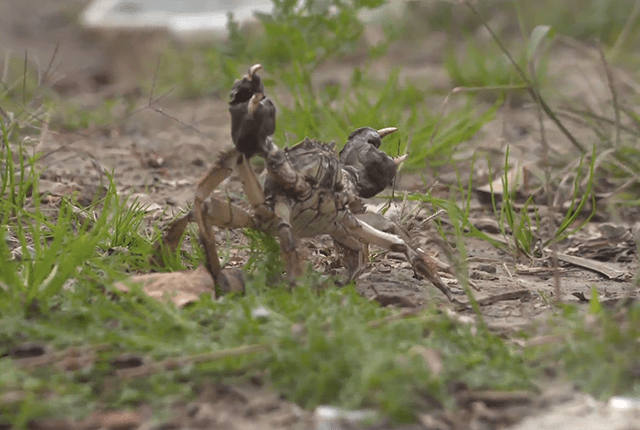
[{"x": 332, "y": 66}]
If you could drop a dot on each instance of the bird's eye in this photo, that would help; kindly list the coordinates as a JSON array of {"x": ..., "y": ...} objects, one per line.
[{"x": 372, "y": 141}]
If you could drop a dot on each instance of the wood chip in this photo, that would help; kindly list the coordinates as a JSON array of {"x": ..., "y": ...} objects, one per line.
[
  {"x": 603, "y": 268},
  {"x": 509, "y": 295}
]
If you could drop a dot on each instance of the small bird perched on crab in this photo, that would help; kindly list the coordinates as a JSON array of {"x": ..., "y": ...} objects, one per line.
[{"x": 253, "y": 114}]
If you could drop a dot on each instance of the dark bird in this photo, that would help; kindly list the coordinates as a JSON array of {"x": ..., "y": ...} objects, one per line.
[
  {"x": 253, "y": 115},
  {"x": 374, "y": 169}
]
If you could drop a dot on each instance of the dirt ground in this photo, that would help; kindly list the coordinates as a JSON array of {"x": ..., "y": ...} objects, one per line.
[{"x": 160, "y": 159}]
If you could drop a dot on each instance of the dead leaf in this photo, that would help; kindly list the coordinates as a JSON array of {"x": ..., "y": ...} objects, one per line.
[
  {"x": 181, "y": 287},
  {"x": 114, "y": 420},
  {"x": 605, "y": 269},
  {"x": 517, "y": 179}
]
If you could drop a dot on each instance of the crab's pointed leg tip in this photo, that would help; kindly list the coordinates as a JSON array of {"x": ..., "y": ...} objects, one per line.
[
  {"x": 383, "y": 132},
  {"x": 229, "y": 281},
  {"x": 400, "y": 159},
  {"x": 252, "y": 70},
  {"x": 254, "y": 102}
]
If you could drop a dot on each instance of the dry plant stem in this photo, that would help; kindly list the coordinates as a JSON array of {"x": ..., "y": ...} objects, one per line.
[
  {"x": 190, "y": 127},
  {"x": 24, "y": 80},
  {"x": 577, "y": 114},
  {"x": 547, "y": 110},
  {"x": 614, "y": 95},
  {"x": 56, "y": 356},
  {"x": 631, "y": 115},
  {"x": 589, "y": 51},
  {"x": 506, "y": 269},
  {"x": 634, "y": 180},
  {"x": 4, "y": 114},
  {"x": 624, "y": 34},
  {"x": 5, "y": 71},
  {"x": 486, "y": 301},
  {"x": 174, "y": 363},
  {"x": 43, "y": 133},
  {"x": 43, "y": 78},
  {"x": 153, "y": 84},
  {"x": 35, "y": 116},
  {"x": 458, "y": 90},
  {"x": 435, "y": 215},
  {"x": 547, "y": 183}
]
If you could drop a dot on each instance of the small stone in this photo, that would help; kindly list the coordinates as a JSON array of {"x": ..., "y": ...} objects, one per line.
[
  {"x": 487, "y": 268},
  {"x": 396, "y": 256},
  {"x": 487, "y": 224}
]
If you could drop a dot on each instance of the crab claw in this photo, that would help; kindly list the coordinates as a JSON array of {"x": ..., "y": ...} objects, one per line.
[
  {"x": 384, "y": 132},
  {"x": 426, "y": 266},
  {"x": 229, "y": 281},
  {"x": 374, "y": 169},
  {"x": 252, "y": 70},
  {"x": 400, "y": 159},
  {"x": 255, "y": 102}
]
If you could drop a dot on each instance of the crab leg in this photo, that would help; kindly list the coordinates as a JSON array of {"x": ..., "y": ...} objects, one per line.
[
  {"x": 281, "y": 213},
  {"x": 379, "y": 222},
  {"x": 220, "y": 213},
  {"x": 214, "y": 212},
  {"x": 421, "y": 262},
  {"x": 287, "y": 242},
  {"x": 218, "y": 173},
  {"x": 353, "y": 255},
  {"x": 283, "y": 172},
  {"x": 252, "y": 189}
]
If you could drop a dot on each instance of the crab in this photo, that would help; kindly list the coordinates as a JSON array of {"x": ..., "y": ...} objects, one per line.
[{"x": 309, "y": 190}]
